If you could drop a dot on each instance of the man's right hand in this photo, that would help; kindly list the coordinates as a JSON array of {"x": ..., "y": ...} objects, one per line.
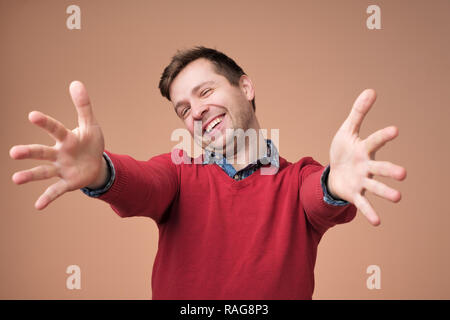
[{"x": 76, "y": 158}]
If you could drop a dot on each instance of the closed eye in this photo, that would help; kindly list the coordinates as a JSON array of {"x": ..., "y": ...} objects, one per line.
[
  {"x": 206, "y": 91},
  {"x": 184, "y": 111}
]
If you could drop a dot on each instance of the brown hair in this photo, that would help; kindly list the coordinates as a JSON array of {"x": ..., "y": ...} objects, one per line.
[{"x": 223, "y": 65}]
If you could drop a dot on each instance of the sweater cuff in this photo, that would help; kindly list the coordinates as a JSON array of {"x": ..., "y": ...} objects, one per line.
[{"x": 320, "y": 213}]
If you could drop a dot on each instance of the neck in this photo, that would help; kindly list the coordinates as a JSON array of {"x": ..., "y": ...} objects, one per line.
[{"x": 250, "y": 150}]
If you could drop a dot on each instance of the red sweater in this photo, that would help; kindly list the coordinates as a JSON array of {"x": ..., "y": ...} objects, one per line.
[{"x": 224, "y": 239}]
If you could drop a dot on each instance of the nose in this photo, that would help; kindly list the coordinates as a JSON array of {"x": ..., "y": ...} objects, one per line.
[{"x": 199, "y": 110}]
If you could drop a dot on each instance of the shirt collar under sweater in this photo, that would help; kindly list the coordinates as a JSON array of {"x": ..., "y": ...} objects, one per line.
[{"x": 271, "y": 157}]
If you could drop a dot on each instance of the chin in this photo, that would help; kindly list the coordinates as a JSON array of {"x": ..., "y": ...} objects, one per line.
[{"x": 225, "y": 141}]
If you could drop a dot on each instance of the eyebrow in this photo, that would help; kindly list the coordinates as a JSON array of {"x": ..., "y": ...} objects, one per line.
[{"x": 194, "y": 90}]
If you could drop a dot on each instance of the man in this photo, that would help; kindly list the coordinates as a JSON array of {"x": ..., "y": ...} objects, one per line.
[{"x": 227, "y": 231}]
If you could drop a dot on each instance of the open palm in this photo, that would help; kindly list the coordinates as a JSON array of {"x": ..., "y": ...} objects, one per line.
[
  {"x": 76, "y": 158},
  {"x": 352, "y": 161}
]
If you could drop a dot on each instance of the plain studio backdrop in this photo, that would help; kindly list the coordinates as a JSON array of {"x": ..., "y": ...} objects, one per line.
[{"x": 308, "y": 60}]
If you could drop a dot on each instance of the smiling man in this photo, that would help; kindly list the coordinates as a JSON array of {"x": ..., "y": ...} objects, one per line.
[
  {"x": 220, "y": 102},
  {"x": 226, "y": 230}
]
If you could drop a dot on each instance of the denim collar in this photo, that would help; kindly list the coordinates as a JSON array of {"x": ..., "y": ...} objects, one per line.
[{"x": 272, "y": 157}]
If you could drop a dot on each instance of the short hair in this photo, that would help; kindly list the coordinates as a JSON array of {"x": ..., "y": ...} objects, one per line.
[{"x": 223, "y": 65}]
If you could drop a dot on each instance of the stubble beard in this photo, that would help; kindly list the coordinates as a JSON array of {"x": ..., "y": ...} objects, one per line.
[{"x": 225, "y": 141}]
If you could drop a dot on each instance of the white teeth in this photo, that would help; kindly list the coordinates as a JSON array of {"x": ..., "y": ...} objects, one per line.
[{"x": 213, "y": 124}]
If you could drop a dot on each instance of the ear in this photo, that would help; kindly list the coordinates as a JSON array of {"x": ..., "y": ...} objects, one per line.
[{"x": 246, "y": 86}]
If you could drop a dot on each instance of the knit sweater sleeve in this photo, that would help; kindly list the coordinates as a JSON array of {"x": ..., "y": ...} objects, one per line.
[
  {"x": 320, "y": 214},
  {"x": 142, "y": 188}
]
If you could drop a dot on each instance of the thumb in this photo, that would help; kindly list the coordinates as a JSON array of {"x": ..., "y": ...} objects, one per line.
[{"x": 82, "y": 103}]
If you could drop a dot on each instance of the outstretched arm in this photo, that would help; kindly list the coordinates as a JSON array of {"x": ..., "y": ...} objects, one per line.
[
  {"x": 76, "y": 158},
  {"x": 353, "y": 165}
]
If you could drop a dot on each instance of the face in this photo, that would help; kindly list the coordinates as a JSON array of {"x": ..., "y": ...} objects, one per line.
[{"x": 206, "y": 101}]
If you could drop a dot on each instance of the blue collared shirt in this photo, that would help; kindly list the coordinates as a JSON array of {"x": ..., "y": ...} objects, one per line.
[{"x": 271, "y": 157}]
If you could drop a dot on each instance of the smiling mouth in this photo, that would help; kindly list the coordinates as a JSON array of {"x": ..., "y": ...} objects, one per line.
[{"x": 213, "y": 124}]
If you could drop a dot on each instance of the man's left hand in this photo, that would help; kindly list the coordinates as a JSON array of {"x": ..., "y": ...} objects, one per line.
[{"x": 353, "y": 165}]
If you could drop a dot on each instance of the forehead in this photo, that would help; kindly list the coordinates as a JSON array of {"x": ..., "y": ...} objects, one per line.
[{"x": 194, "y": 73}]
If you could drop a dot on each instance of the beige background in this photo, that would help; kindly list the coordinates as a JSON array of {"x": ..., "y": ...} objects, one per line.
[{"x": 308, "y": 60}]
